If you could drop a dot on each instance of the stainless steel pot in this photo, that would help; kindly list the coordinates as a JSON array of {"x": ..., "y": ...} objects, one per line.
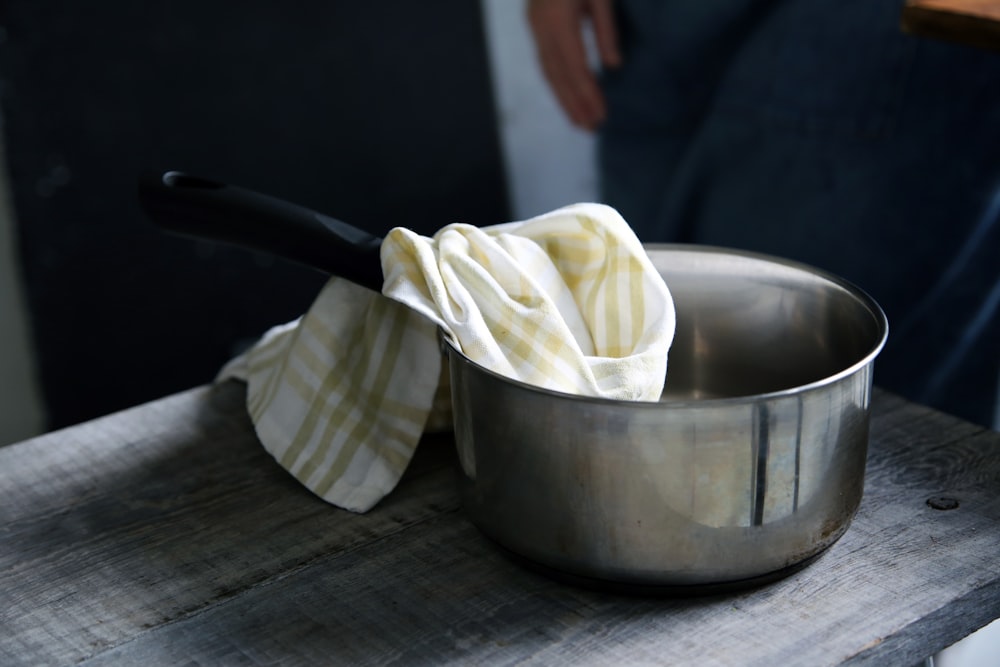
[{"x": 751, "y": 464}]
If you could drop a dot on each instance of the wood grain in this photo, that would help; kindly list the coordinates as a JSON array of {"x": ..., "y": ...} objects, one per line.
[
  {"x": 165, "y": 535},
  {"x": 137, "y": 520},
  {"x": 972, "y": 22}
]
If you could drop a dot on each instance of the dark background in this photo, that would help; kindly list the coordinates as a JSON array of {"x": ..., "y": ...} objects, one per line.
[{"x": 379, "y": 113}]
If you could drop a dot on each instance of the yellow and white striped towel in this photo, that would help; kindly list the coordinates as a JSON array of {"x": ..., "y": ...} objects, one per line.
[{"x": 568, "y": 301}]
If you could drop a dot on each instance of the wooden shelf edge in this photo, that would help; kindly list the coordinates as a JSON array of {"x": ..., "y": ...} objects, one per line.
[{"x": 952, "y": 22}]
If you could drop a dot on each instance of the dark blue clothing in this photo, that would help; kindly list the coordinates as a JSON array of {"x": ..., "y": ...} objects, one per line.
[{"x": 816, "y": 130}]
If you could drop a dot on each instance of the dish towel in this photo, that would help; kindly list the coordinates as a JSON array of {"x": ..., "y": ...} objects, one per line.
[{"x": 568, "y": 301}]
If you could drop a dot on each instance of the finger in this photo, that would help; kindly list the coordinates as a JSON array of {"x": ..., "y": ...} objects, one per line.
[
  {"x": 578, "y": 78},
  {"x": 573, "y": 101},
  {"x": 556, "y": 26},
  {"x": 605, "y": 32}
]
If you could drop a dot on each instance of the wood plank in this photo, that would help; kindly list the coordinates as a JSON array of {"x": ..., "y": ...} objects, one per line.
[
  {"x": 442, "y": 594},
  {"x": 149, "y": 516},
  {"x": 197, "y": 549},
  {"x": 972, "y": 22}
]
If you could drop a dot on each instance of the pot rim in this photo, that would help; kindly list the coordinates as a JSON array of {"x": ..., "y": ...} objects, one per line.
[{"x": 447, "y": 344}]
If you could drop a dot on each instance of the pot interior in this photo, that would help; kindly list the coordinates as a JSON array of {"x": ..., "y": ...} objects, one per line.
[{"x": 749, "y": 324}]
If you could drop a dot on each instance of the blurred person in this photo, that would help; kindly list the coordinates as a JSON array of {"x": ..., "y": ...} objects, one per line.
[{"x": 814, "y": 130}]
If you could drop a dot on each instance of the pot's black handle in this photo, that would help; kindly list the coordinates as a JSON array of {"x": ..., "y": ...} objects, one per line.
[{"x": 206, "y": 209}]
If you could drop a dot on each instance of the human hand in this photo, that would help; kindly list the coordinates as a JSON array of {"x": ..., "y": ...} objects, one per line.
[{"x": 557, "y": 27}]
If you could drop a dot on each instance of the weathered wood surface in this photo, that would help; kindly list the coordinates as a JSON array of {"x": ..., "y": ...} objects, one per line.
[
  {"x": 972, "y": 22},
  {"x": 166, "y": 535}
]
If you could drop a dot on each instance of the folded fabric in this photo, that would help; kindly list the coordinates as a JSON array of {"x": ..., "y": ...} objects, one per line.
[{"x": 568, "y": 301}]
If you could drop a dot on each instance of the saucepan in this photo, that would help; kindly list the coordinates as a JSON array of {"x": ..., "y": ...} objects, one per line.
[{"x": 750, "y": 466}]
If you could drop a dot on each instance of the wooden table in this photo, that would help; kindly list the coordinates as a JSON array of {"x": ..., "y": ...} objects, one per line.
[{"x": 166, "y": 535}]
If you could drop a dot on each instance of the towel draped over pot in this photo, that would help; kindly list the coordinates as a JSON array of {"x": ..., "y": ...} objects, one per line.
[{"x": 568, "y": 301}]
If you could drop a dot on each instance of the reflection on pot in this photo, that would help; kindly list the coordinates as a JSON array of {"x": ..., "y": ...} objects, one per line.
[{"x": 752, "y": 462}]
